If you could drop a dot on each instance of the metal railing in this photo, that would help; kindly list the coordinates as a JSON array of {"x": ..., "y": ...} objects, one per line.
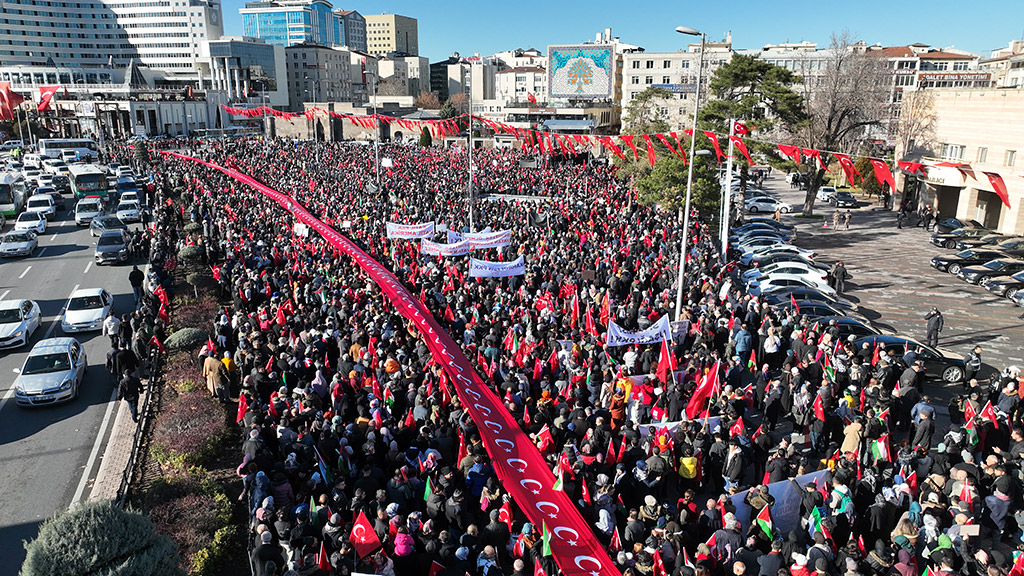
[{"x": 145, "y": 413}]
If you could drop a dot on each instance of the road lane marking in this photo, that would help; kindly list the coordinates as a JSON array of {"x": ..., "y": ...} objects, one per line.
[
  {"x": 24, "y": 273},
  {"x": 4, "y": 295},
  {"x": 80, "y": 491},
  {"x": 54, "y": 237},
  {"x": 3, "y": 401},
  {"x": 87, "y": 267},
  {"x": 53, "y": 324},
  {"x": 41, "y": 252}
]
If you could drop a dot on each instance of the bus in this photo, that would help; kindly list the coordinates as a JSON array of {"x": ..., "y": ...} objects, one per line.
[
  {"x": 88, "y": 180},
  {"x": 12, "y": 193},
  {"x": 84, "y": 148}
]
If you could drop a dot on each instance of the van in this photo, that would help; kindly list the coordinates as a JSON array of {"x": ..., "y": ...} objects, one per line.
[
  {"x": 11, "y": 145},
  {"x": 33, "y": 161},
  {"x": 69, "y": 156}
]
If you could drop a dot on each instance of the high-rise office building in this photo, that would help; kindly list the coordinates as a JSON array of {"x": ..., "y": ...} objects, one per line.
[
  {"x": 84, "y": 33},
  {"x": 350, "y": 29},
  {"x": 167, "y": 35},
  {"x": 289, "y": 22},
  {"x": 392, "y": 34}
]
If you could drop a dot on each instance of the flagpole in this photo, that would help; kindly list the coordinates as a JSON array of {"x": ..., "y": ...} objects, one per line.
[
  {"x": 689, "y": 176},
  {"x": 727, "y": 193}
]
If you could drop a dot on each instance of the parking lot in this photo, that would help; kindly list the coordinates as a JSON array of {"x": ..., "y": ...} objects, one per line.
[{"x": 894, "y": 284}]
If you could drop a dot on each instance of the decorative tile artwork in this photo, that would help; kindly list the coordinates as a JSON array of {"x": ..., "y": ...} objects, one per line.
[{"x": 580, "y": 72}]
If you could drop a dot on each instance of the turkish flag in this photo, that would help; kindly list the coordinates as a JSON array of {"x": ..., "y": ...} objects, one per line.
[
  {"x": 737, "y": 429},
  {"x": 505, "y": 514},
  {"x": 46, "y": 94},
  {"x": 162, "y": 314},
  {"x": 848, "y": 168},
  {"x": 628, "y": 139},
  {"x": 707, "y": 389},
  {"x": 740, "y": 129},
  {"x": 243, "y": 405},
  {"x": 714, "y": 141},
  {"x": 666, "y": 364},
  {"x": 791, "y": 151},
  {"x": 883, "y": 174},
  {"x": 792, "y": 301},
  {"x": 436, "y": 568},
  {"x": 154, "y": 341},
  {"x": 990, "y": 413},
  {"x": 999, "y": 186},
  {"x": 9, "y": 100},
  {"x": 363, "y": 537},
  {"x": 819, "y": 408}
]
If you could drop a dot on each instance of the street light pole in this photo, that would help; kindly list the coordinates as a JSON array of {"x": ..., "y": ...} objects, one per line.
[
  {"x": 376, "y": 135},
  {"x": 689, "y": 175},
  {"x": 470, "y": 140},
  {"x": 727, "y": 194}
]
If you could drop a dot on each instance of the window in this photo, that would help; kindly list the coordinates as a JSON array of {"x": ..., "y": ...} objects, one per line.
[
  {"x": 635, "y": 80},
  {"x": 953, "y": 151},
  {"x": 982, "y": 155},
  {"x": 684, "y": 64},
  {"x": 1011, "y": 157},
  {"x": 650, "y": 64},
  {"x": 960, "y": 65},
  {"x": 905, "y": 80},
  {"x": 666, "y": 64},
  {"x": 636, "y": 64},
  {"x": 649, "y": 80}
]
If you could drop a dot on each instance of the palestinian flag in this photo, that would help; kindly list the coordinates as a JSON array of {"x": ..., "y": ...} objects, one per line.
[
  {"x": 313, "y": 517},
  {"x": 880, "y": 448},
  {"x": 752, "y": 362},
  {"x": 764, "y": 521},
  {"x": 428, "y": 490},
  {"x": 545, "y": 538},
  {"x": 558, "y": 485}
]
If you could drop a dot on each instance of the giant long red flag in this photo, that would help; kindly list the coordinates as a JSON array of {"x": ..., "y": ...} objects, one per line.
[{"x": 518, "y": 464}]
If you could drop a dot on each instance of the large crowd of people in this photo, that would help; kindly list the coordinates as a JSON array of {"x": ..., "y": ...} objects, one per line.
[{"x": 349, "y": 416}]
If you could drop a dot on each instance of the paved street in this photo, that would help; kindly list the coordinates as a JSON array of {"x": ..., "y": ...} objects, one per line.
[
  {"x": 50, "y": 455},
  {"x": 895, "y": 286}
]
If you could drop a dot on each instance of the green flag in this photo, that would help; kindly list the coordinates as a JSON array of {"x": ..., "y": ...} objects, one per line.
[
  {"x": 312, "y": 513},
  {"x": 558, "y": 482},
  {"x": 428, "y": 490},
  {"x": 545, "y": 539}
]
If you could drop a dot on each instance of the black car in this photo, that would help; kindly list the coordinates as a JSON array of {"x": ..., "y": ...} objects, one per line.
[
  {"x": 952, "y": 263},
  {"x": 847, "y": 326},
  {"x": 986, "y": 240},
  {"x": 950, "y": 224},
  {"x": 802, "y": 293},
  {"x": 1016, "y": 244},
  {"x": 949, "y": 240},
  {"x": 1004, "y": 285},
  {"x": 997, "y": 267},
  {"x": 843, "y": 199},
  {"x": 112, "y": 246},
  {"x": 61, "y": 184},
  {"x": 948, "y": 366},
  {"x": 769, "y": 222}
]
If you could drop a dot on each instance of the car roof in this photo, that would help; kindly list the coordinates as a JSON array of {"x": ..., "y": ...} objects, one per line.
[
  {"x": 51, "y": 345},
  {"x": 11, "y": 304},
  {"x": 889, "y": 340},
  {"x": 119, "y": 233},
  {"x": 87, "y": 292}
]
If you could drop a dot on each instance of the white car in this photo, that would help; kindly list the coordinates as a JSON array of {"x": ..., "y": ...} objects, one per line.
[
  {"x": 762, "y": 204},
  {"x": 42, "y": 204},
  {"x": 33, "y": 162},
  {"x": 18, "y": 243},
  {"x": 756, "y": 244},
  {"x": 124, "y": 172},
  {"x": 131, "y": 197},
  {"x": 52, "y": 373},
  {"x": 45, "y": 179},
  {"x": 797, "y": 268},
  {"x": 33, "y": 221},
  {"x": 86, "y": 310},
  {"x": 777, "y": 281},
  {"x": 19, "y": 319},
  {"x": 31, "y": 176},
  {"x": 128, "y": 211},
  {"x": 826, "y": 193},
  {"x": 86, "y": 210},
  {"x": 55, "y": 166}
]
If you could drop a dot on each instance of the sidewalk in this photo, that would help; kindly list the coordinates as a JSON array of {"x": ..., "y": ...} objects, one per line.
[{"x": 118, "y": 450}]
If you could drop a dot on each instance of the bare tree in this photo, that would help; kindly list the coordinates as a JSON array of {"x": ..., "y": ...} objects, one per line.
[
  {"x": 916, "y": 131},
  {"x": 460, "y": 101},
  {"x": 391, "y": 86},
  {"x": 849, "y": 98},
  {"x": 427, "y": 101}
]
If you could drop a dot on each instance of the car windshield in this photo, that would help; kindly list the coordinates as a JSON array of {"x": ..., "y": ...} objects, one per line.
[
  {"x": 16, "y": 238},
  {"x": 996, "y": 264},
  {"x": 112, "y": 240},
  {"x": 39, "y": 203},
  {"x": 29, "y": 217},
  {"x": 1019, "y": 276},
  {"x": 127, "y": 206},
  {"x": 89, "y": 207},
  {"x": 85, "y": 303},
  {"x": 44, "y": 363},
  {"x": 10, "y": 315}
]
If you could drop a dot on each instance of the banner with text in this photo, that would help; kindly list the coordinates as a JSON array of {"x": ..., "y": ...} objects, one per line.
[
  {"x": 410, "y": 231},
  {"x": 786, "y": 509},
  {"x": 654, "y": 333},
  {"x": 488, "y": 269},
  {"x": 431, "y": 248},
  {"x": 519, "y": 465}
]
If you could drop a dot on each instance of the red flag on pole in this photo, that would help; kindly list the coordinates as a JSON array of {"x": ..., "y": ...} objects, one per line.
[
  {"x": 243, "y": 406},
  {"x": 363, "y": 536},
  {"x": 162, "y": 314},
  {"x": 819, "y": 408},
  {"x": 999, "y": 186},
  {"x": 666, "y": 365},
  {"x": 707, "y": 389},
  {"x": 154, "y": 341}
]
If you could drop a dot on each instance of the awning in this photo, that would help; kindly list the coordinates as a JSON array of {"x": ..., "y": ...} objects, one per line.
[{"x": 568, "y": 124}]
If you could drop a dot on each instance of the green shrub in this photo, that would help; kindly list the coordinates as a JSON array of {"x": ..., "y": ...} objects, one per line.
[
  {"x": 191, "y": 253},
  {"x": 189, "y": 429},
  {"x": 190, "y": 507},
  {"x": 186, "y": 339},
  {"x": 193, "y": 228},
  {"x": 199, "y": 279},
  {"x": 212, "y": 560},
  {"x": 98, "y": 537}
]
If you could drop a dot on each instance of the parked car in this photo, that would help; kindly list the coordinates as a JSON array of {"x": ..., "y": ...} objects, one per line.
[
  {"x": 1006, "y": 286},
  {"x": 1017, "y": 298},
  {"x": 950, "y": 239},
  {"x": 770, "y": 222},
  {"x": 763, "y": 260},
  {"x": 938, "y": 363},
  {"x": 18, "y": 243},
  {"x": 755, "y": 205},
  {"x": 843, "y": 199},
  {"x": 53, "y": 372},
  {"x": 31, "y": 221},
  {"x": 783, "y": 268},
  {"x": 19, "y": 319},
  {"x": 804, "y": 293},
  {"x": 856, "y": 327},
  {"x": 86, "y": 310},
  {"x": 947, "y": 225},
  {"x": 952, "y": 263},
  {"x": 997, "y": 267},
  {"x": 987, "y": 240},
  {"x": 761, "y": 225},
  {"x": 749, "y": 256},
  {"x": 112, "y": 246},
  {"x": 826, "y": 193},
  {"x": 781, "y": 281},
  {"x": 102, "y": 224}
]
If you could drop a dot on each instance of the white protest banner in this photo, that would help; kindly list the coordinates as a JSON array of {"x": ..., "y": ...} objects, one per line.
[
  {"x": 300, "y": 229},
  {"x": 431, "y": 248},
  {"x": 482, "y": 240},
  {"x": 425, "y": 230},
  {"x": 654, "y": 333},
  {"x": 786, "y": 509},
  {"x": 488, "y": 269},
  {"x": 454, "y": 237}
]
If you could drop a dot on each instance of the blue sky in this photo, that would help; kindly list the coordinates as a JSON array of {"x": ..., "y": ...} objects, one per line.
[{"x": 486, "y": 26}]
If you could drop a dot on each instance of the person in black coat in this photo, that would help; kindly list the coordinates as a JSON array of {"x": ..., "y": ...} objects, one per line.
[{"x": 924, "y": 430}]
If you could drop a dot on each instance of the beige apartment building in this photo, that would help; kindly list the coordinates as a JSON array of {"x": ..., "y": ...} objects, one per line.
[
  {"x": 974, "y": 132},
  {"x": 391, "y": 33}
]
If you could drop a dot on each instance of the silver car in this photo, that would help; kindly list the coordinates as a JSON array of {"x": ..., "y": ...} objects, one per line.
[
  {"x": 19, "y": 319},
  {"x": 18, "y": 243},
  {"x": 52, "y": 373},
  {"x": 112, "y": 246}
]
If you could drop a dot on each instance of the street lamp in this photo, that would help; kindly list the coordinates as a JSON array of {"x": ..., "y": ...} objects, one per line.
[{"x": 689, "y": 177}]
